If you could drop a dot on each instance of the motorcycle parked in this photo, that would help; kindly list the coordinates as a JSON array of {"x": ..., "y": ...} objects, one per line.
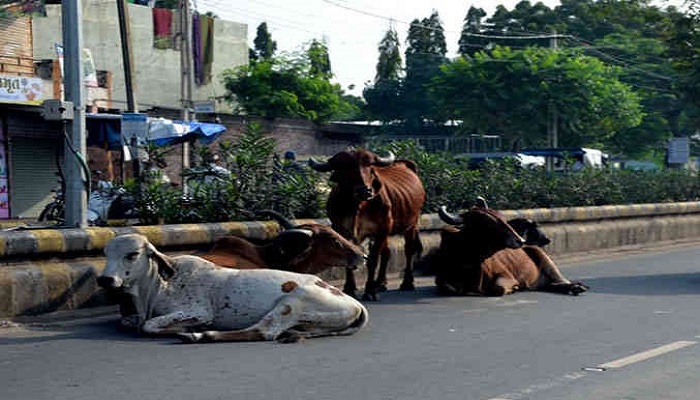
[{"x": 104, "y": 203}]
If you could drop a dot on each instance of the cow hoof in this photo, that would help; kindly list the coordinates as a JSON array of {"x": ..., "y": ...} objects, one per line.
[
  {"x": 407, "y": 287},
  {"x": 193, "y": 337},
  {"x": 382, "y": 288},
  {"x": 370, "y": 297},
  {"x": 289, "y": 337},
  {"x": 577, "y": 288},
  {"x": 130, "y": 324}
]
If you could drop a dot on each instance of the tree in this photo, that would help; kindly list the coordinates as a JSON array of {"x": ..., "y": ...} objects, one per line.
[
  {"x": 265, "y": 47},
  {"x": 684, "y": 40},
  {"x": 287, "y": 86},
  {"x": 425, "y": 53},
  {"x": 389, "y": 64},
  {"x": 510, "y": 92},
  {"x": 468, "y": 42},
  {"x": 319, "y": 60},
  {"x": 383, "y": 96}
]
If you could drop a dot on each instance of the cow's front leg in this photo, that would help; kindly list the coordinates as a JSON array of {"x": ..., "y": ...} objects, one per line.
[
  {"x": 350, "y": 287},
  {"x": 381, "y": 282},
  {"x": 412, "y": 247},
  {"x": 370, "y": 293},
  {"x": 177, "y": 322},
  {"x": 275, "y": 325}
]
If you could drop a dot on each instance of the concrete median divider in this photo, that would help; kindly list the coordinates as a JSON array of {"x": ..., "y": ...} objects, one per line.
[{"x": 45, "y": 270}]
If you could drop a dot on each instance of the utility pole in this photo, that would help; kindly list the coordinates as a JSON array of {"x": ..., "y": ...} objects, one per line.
[
  {"x": 186, "y": 80},
  {"x": 128, "y": 61},
  {"x": 553, "y": 120},
  {"x": 75, "y": 151},
  {"x": 125, "y": 35}
]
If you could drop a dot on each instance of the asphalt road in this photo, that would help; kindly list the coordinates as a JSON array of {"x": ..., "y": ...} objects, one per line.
[{"x": 634, "y": 335}]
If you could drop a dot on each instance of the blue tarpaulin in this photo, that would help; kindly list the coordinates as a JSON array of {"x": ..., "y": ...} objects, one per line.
[
  {"x": 203, "y": 132},
  {"x": 105, "y": 130}
]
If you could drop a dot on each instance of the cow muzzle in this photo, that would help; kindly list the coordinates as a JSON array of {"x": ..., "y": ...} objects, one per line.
[
  {"x": 363, "y": 193},
  {"x": 109, "y": 282}
]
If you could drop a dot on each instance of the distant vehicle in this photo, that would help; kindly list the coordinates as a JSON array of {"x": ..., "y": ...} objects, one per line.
[
  {"x": 476, "y": 160},
  {"x": 563, "y": 158},
  {"x": 581, "y": 156}
]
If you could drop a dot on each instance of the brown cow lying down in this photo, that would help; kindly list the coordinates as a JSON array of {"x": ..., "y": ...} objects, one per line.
[
  {"x": 307, "y": 248},
  {"x": 466, "y": 266}
]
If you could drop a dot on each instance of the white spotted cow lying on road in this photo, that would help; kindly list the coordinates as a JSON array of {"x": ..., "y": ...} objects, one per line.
[{"x": 199, "y": 301}]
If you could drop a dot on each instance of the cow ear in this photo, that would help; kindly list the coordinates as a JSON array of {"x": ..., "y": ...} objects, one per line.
[{"x": 165, "y": 263}]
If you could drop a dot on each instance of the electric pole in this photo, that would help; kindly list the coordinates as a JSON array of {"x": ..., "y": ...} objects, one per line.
[
  {"x": 553, "y": 120},
  {"x": 75, "y": 149},
  {"x": 186, "y": 80},
  {"x": 125, "y": 35}
]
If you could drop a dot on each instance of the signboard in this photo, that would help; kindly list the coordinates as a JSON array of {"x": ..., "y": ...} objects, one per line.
[
  {"x": 678, "y": 150},
  {"x": 21, "y": 90},
  {"x": 204, "y": 107},
  {"x": 4, "y": 195}
]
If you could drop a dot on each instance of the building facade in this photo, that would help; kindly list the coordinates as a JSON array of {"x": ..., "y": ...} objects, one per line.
[{"x": 31, "y": 148}]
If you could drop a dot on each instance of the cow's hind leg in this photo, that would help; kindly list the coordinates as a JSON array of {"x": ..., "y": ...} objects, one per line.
[
  {"x": 306, "y": 313},
  {"x": 503, "y": 285},
  {"x": 552, "y": 280}
]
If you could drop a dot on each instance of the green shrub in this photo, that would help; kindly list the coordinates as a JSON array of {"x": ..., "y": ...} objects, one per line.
[{"x": 260, "y": 180}]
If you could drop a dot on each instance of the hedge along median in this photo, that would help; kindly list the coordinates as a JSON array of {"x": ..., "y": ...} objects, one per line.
[{"x": 45, "y": 270}]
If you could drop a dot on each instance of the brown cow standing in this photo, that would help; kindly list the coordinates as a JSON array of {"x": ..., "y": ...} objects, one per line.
[
  {"x": 471, "y": 263},
  {"x": 373, "y": 198}
]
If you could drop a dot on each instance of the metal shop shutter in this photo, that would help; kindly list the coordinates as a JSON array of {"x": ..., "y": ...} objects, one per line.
[{"x": 32, "y": 174}]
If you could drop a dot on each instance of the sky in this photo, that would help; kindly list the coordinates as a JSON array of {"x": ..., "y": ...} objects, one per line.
[{"x": 352, "y": 29}]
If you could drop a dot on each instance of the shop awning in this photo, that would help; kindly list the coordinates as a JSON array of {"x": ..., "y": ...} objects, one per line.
[{"x": 105, "y": 130}]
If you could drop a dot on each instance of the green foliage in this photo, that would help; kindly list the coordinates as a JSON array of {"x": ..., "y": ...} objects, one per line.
[
  {"x": 511, "y": 92},
  {"x": 506, "y": 185},
  {"x": 265, "y": 47},
  {"x": 257, "y": 181},
  {"x": 425, "y": 52},
  {"x": 287, "y": 87}
]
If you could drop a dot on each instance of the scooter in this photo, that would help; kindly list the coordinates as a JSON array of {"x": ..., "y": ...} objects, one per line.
[{"x": 107, "y": 202}]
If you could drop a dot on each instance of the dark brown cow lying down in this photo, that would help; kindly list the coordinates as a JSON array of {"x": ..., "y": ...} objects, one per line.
[
  {"x": 471, "y": 263},
  {"x": 308, "y": 248}
]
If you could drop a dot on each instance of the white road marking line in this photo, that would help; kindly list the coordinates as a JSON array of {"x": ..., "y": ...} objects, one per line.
[{"x": 645, "y": 355}]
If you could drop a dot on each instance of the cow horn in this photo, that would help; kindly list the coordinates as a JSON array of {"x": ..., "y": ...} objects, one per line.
[
  {"x": 281, "y": 219},
  {"x": 320, "y": 166},
  {"x": 481, "y": 203},
  {"x": 386, "y": 160},
  {"x": 449, "y": 218}
]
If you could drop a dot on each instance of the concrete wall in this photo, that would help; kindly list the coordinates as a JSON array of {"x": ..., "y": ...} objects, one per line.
[
  {"x": 157, "y": 71},
  {"x": 50, "y": 269}
]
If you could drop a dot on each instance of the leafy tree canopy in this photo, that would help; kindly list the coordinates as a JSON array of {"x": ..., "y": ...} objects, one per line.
[
  {"x": 287, "y": 86},
  {"x": 511, "y": 92}
]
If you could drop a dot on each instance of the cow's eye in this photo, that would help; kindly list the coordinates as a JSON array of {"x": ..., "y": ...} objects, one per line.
[{"x": 132, "y": 256}]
